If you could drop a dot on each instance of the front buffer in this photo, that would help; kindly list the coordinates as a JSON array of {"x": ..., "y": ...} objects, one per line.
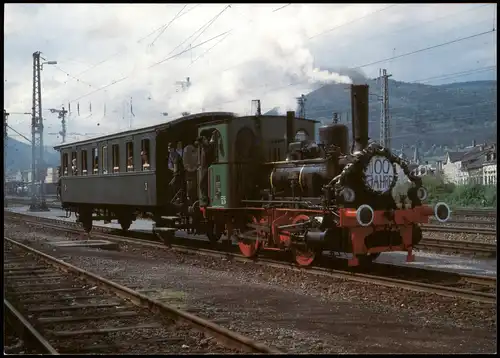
[{"x": 373, "y": 232}]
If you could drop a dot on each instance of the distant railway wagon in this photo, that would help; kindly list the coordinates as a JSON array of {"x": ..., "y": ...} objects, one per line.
[{"x": 260, "y": 180}]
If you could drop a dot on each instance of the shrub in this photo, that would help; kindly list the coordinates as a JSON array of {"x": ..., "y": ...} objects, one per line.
[{"x": 469, "y": 195}]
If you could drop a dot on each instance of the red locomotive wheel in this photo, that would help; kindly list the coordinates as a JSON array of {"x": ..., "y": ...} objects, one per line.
[
  {"x": 249, "y": 248},
  {"x": 303, "y": 256}
]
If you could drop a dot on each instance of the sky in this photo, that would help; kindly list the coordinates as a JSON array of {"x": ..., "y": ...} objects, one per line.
[{"x": 122, "y": 64}]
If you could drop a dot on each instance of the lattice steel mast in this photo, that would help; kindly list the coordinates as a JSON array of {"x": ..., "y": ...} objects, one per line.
[
  {"x": 385, "y": 119},
  {"x": 37, "y": 163}
]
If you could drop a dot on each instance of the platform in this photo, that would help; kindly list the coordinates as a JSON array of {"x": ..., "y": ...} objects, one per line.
[{"x": 94, "y": 244}]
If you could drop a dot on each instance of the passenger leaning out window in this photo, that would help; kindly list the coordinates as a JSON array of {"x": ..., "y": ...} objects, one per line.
[
  {"x": 130, "y": 163},
  {"x": 145, "y": 161},
  {"x": 73, "y": 167}
]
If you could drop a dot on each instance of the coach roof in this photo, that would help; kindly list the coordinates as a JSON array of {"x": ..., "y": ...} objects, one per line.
[{"x": 198, "y": 117}]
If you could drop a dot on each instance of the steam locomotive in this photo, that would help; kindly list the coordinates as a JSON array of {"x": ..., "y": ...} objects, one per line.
[{"x": 267, "y": 188}]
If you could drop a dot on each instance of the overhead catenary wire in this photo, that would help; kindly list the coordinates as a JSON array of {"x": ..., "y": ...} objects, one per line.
[
  {"x": 418, "y": 24},
  {"x": 282, "y": 7},
  {"x": 425, "y": 49},
  {"x": 211, "y": 48},
  {"x": 375, "y": 62},
  {"x": 229, "y": 32},
  {"x": 70, "y": 75},
  {"x": 317, "y": 35},
  {"x": 407, "y": 54},
  {"x": 166, "y": 59},
  {"x": 76, "y": 77},
  {"x": 352, "y": 21},
  {"x": 178, "y": 54},
  {"x": 211, "y": 23},
  {"x": 202, "y": 29},
  {"x": 456, "y": 74},
  {"x": 153, "y": 65},
  {"x": 166, "y": 26},
  {"x": 137, "y": 41}
]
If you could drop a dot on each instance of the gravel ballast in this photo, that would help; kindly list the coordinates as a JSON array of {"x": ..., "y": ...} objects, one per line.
[
  {"x": 78, "y": 336},
  {"x": 293, "y": 311}
]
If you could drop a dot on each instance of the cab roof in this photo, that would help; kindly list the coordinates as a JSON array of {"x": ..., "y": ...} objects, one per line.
[{"x": 200, "y": 118}]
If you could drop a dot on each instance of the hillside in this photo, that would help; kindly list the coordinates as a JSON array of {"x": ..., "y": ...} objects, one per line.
[
  {"x": 445, "y": 115},
  {"x": 18, "y": 156}
]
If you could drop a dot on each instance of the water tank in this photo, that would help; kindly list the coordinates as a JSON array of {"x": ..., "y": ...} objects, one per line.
[{"x": 335, "y": 134}]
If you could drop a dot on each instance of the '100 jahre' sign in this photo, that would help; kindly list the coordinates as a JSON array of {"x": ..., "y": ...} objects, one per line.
[{"x": 379, "y": 174}]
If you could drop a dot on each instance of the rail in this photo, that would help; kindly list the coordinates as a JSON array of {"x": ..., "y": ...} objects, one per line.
[
  {"x": 479, "y": 248},
  {"x": 459, "y": 229},
  {"x": 224, "y": 336}
]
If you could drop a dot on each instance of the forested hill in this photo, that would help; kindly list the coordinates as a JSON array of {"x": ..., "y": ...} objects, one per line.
[
  {"x": 446, "y": 115},
  {"x": 18, "y": 155}
]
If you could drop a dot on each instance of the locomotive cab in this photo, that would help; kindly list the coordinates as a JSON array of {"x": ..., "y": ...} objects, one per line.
[{"x": 306, "y": 149}]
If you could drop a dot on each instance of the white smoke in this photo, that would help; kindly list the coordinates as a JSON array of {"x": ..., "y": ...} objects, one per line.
[{"x": 269, "y": 60}]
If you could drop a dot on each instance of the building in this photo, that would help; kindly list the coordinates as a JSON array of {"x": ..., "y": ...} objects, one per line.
[{"x": 477, "y": 165}]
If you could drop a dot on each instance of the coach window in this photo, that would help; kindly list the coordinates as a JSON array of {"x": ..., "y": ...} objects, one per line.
[
  {"x": 83, "y": 157},
  {"x": 95, "y": 161},
  {"x": 145, "y": 154},
  {"x": 130, "y": 156},
  {"x": 74, "y": 169},
  {"x": 116, "y": 158},
  {"x": 104, "y": 161},
  {"x": 65, "y": 163}
]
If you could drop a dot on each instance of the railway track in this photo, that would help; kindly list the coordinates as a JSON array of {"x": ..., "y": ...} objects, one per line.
[
  {"x": 459, "y": 229},
  {"x": 475, "y": 285},
  {"x": 453, "y": 221},
  {"x": 476, "y": 248},
  {"x": 62, "y": 309},
  {"x": 491, "y": 213}
]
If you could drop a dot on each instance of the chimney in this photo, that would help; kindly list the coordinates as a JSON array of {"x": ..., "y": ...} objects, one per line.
[
  {"x": 359, "y": 107},
  {"x": 473, "y": 142},
  {"x": 290, "y": 127}
]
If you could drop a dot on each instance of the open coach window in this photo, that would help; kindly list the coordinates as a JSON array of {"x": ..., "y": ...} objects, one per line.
[
  {"x": 65, "y": 164},
  {"x": 84, "y": 162},
  {"x": 74, "y": 169},
  {"x": 145, "y": 154},
  {"x": 130, "y": 156},
  {"x": 95, "y": 161},
  {"x": 116, "y": 158},
  {"x": 104, "y": 161}
]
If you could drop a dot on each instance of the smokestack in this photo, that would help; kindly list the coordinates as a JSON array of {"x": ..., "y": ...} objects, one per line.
[
  {"x": 290, "y": 127},
  {"x": 359, "y": 106}
]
